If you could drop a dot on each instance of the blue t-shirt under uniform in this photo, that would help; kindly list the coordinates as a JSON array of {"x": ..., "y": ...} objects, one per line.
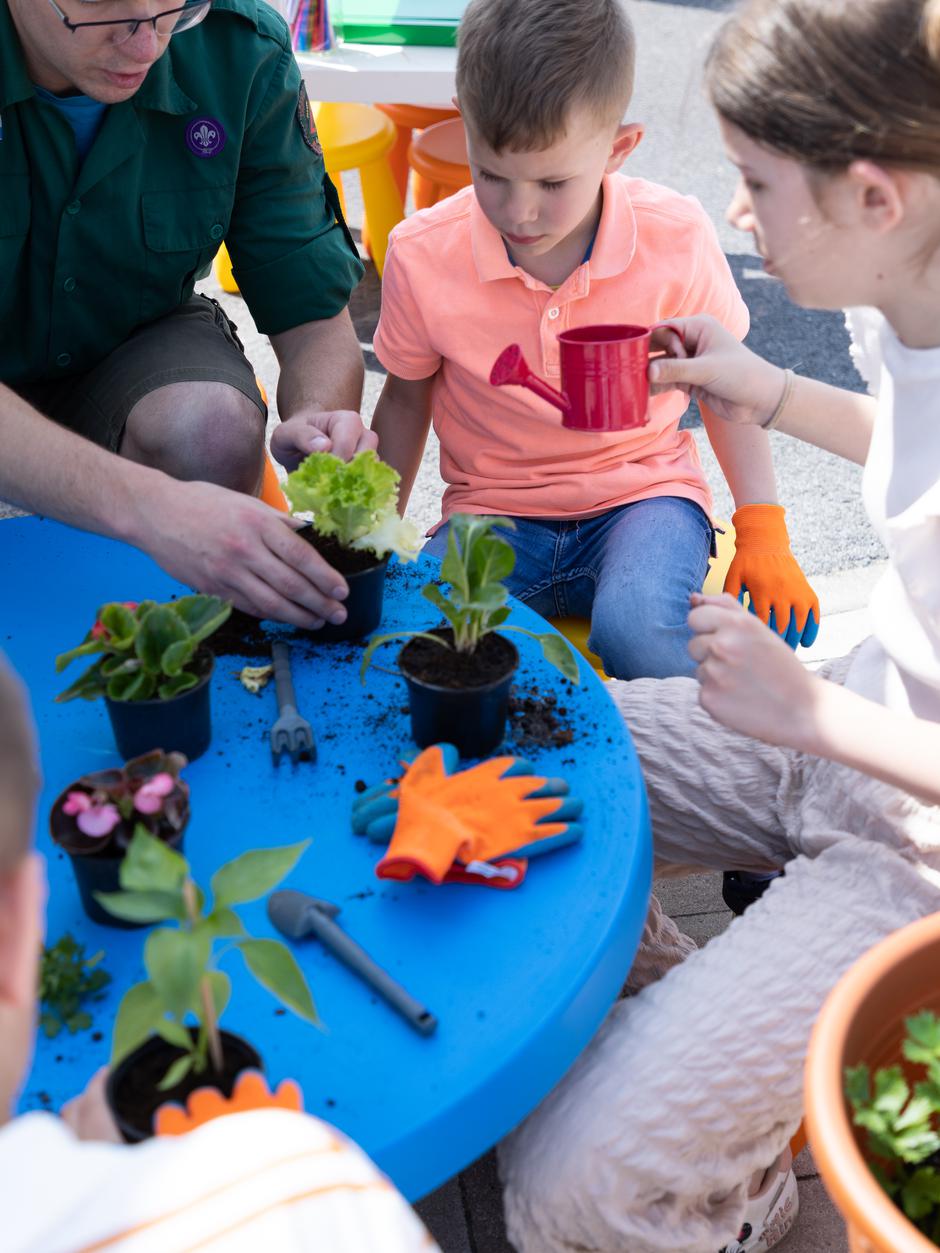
[{"x": 83, "y": 114}]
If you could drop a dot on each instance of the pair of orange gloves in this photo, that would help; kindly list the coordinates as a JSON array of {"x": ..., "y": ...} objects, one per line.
[{"x": 765, "y": 569}]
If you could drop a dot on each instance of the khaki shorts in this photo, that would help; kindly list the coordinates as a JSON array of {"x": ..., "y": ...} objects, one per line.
[{"x": 195, "y": 344}]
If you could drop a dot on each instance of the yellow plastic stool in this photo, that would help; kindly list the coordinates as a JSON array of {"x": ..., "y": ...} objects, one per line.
[
  {"x": 222, "y": 267},
  {"x": 438, "y": 157},
  {"x": 359, "y": 137},
  {"x": 577, "y": 630}
]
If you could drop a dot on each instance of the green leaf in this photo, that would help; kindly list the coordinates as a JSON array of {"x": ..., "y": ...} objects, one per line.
[
  {"x": 348, "y": 498},
  {"x": 150, "y": 866},
  {"x": 202, "y": 615},
  {"x": 120, "y": 624},
  {"x": 221, "y": 923},
  {"x": 177, "y": 1072},
  {"x": 177, "y": 656},
  {"x": 131, "y": 685},
  {"x": 160, "y": 628},
  {"x": 79, "y": 1022},
  {"x": 176, "y": 961},
  {"x": 274, "y": 966},
  {"x": 857, "y": 1084},
  {"x": 178, "y": 684},
  {"x": 253, "y": 874},
  {"x": 141, "y": 906},
  {"x": 89, "y": 686},
  {"x": 50, "y": 1025},
  {"x": 138, "y": 1017},
  {"x": 556, "y": 651},
  {"x": 891, "y": 1090},
  {"x": 220, "y": 986},
  {"x": 921, "y": 1192},
  {"x": 437, "y": 598},
  {"x": 175, "y": 1033},
  {"x": 85, "y": 649}
]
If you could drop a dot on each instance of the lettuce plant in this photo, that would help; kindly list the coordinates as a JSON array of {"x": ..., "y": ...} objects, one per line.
[
  {"x": 903, "y": 1124},
  {"x": 146, "y": 650},
  {"x": 185, "y": 995},
  {"x": 355, "y": 501},
  {"x": 475, "y": 564}
]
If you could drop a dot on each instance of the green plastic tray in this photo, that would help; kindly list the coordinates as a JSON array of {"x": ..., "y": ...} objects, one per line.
[{"x": 428, "y": 22}]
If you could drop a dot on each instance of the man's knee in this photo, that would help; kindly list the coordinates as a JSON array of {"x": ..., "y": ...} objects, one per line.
[{"x": 208, "y": 431}]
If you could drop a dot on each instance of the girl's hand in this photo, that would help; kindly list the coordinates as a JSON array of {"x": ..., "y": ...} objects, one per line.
[
  {"x": 750, "y": 680},
  {"x": 707, "y": 362}
]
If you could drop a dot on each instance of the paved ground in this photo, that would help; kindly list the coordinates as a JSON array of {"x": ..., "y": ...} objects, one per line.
[{"x": 831, "y": 536}]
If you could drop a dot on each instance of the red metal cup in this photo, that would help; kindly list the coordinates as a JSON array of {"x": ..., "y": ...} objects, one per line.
[{"x": 603, "y": 374}]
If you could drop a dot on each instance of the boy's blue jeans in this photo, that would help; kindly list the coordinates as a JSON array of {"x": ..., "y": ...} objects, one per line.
[{"x": 630, "y": 570}]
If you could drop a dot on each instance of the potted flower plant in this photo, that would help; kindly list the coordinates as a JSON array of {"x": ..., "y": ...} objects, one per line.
[
  {"x": 153, "y": 671},
  {"x": 95, "y": 817},
  {"x": 459, "y": 675},
  {"x": 167, "y": 1041},
  {"x": 874, "y": 1061},
  {"x": 355, "y": 527}
]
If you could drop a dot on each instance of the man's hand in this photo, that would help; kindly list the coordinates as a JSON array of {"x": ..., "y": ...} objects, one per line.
[
  {"x": 226, "y": 544},
  {"x": 339, "y": 431},
  {"x": 706, "y": 361},
  {"x": 88, "y": 1115},
  {"x": 750, "y": 680}
]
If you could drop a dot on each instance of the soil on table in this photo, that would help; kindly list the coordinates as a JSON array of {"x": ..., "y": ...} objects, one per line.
[
  {"x": 138, "y": 1097},
  {"x": 241, "y": 635},
  {"x": 345, "y": 560},
  {"x": 492, "y": 659},
  {"x": 538, "y": 721}
]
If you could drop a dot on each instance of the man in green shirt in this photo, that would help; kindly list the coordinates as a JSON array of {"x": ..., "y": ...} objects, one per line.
[{"x": 133, "y": 139}]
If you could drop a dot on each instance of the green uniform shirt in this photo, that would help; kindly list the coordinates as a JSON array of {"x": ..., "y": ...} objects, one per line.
[{"x": 216, "y": 144}]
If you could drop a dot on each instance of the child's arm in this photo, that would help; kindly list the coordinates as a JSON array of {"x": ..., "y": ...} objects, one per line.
[{"x": 401, "y": 420}]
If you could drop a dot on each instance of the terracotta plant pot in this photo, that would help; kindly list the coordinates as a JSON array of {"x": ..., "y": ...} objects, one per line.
[
  {"x": 182, "y": 724},
  {"x": 472, "y": 716},
  {"x": 131, "y": 1088},
  {"x": 862, "y": 1020}
]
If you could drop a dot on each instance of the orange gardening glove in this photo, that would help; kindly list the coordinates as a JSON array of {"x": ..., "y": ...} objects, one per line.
[
  {"x": 205, "y": 1104},
  {"x": 470, "y": 816},
  {"x": 764, "y": 567}
]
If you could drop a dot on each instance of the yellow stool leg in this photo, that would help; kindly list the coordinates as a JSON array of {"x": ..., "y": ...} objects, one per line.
[
  {"x": 223, "y": 271},
  {"x": 383, "y": 207}
]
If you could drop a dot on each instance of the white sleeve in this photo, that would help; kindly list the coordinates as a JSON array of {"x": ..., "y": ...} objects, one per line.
[{"x": 864, "y": 327}]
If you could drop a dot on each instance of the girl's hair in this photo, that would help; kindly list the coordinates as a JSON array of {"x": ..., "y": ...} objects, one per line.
[{"x": 828, "y": 83}]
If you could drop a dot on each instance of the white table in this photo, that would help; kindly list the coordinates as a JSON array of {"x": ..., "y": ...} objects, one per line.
[{"x": 381, "y": 73}]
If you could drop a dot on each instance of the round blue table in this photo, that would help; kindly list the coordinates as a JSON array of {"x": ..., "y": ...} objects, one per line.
[{"x": 519, "y": 980}]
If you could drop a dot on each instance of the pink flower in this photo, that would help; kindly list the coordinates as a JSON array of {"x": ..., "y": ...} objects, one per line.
[
  {"x": 148, "y": 798},
  {"x": 98, "y": 820},
  {"x": 76, "y": 803}
]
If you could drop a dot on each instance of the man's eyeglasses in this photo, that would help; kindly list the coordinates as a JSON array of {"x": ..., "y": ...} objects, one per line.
[{"x": 170, "y": 22}]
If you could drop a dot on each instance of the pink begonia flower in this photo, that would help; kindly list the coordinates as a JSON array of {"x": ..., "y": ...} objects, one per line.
[
  {"x": 76, "y": 803},
  {"x": 148, "y": 799},
  {"x": 98, "y": 820}
]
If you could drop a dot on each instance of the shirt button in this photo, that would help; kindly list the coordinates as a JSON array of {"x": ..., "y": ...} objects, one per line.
[
  {"x": 69, "y": 284},
  {"x": 63, "y": 359},
  {"x": 553, "y": 313},
  {"x": 217, "y": 231},
  {"x": 73, "y": 207}
]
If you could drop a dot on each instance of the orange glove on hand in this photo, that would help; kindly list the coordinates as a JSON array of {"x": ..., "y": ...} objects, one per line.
[
  {"x": 473, "y": 815},
  {"x": 764, "y": 567},
  {"x": 206, "y": 1104}
]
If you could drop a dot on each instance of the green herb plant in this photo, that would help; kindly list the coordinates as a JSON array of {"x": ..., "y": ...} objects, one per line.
[
  {"x": 185, "y": 994},
  {"x": 146, "y": 650},
  {"x": 476, "y": 562},
  {"x": 354, "y": 501},
  {"x": 67, "y": 979},
  {"x": 903, "y": 1124}
]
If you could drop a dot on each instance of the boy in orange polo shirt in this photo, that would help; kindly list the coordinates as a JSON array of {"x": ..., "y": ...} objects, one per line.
[{"x": 613, "y": 526}]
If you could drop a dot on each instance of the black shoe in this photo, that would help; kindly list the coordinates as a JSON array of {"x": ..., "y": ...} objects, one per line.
[{"x": 740, "y": 888}]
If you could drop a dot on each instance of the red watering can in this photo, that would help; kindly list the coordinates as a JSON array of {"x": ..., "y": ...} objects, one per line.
[{"x": 603, "y": 374}]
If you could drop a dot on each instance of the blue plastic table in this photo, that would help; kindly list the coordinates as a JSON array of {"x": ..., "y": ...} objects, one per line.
[{"x": 519, "y": 980}]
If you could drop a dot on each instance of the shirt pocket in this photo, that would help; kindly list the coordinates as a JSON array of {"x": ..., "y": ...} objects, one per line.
[
  {"x": 182, "y": 233},
  {"x": 14, "y": 231}
]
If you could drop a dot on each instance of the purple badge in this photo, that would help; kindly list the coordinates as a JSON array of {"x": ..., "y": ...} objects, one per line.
[{"x": 205, "y": 137}]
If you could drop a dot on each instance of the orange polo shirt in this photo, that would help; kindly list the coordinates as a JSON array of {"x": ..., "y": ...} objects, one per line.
[{"x": 452, "y": 300}]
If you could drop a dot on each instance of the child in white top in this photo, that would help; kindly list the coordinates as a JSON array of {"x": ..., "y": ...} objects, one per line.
[{"x": 667, "y": 1122}]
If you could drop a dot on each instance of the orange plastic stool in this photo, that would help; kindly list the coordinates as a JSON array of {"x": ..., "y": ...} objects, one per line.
[
  {"x": 270, "y": 492},
  {"x": 409, "y": 118},
  {"x": 438, "y": 157}
]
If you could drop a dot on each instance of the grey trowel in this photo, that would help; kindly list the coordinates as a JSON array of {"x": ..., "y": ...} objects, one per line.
[{"x": 295, "y": 914}]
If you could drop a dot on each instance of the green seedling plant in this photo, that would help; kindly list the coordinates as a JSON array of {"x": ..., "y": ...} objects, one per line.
[
  {"x": 185, "y": 994},
  {"x": 146, "y": 650},
  {"x": 903, "y": 1124},
  {"x": 67, "y": 979},
  {"x": 354, "y": 501},
  {"x": 475, "y": 564}
]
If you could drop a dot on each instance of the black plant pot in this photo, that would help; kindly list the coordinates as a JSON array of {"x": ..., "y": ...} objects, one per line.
[
  {"x": 100, "y": 872},
  {"x": 182, "y": 724},
  {"x": 131, "y": 1089},
  {"x": 471, "y": 718},
  {"x": 363, "y": 606}
]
